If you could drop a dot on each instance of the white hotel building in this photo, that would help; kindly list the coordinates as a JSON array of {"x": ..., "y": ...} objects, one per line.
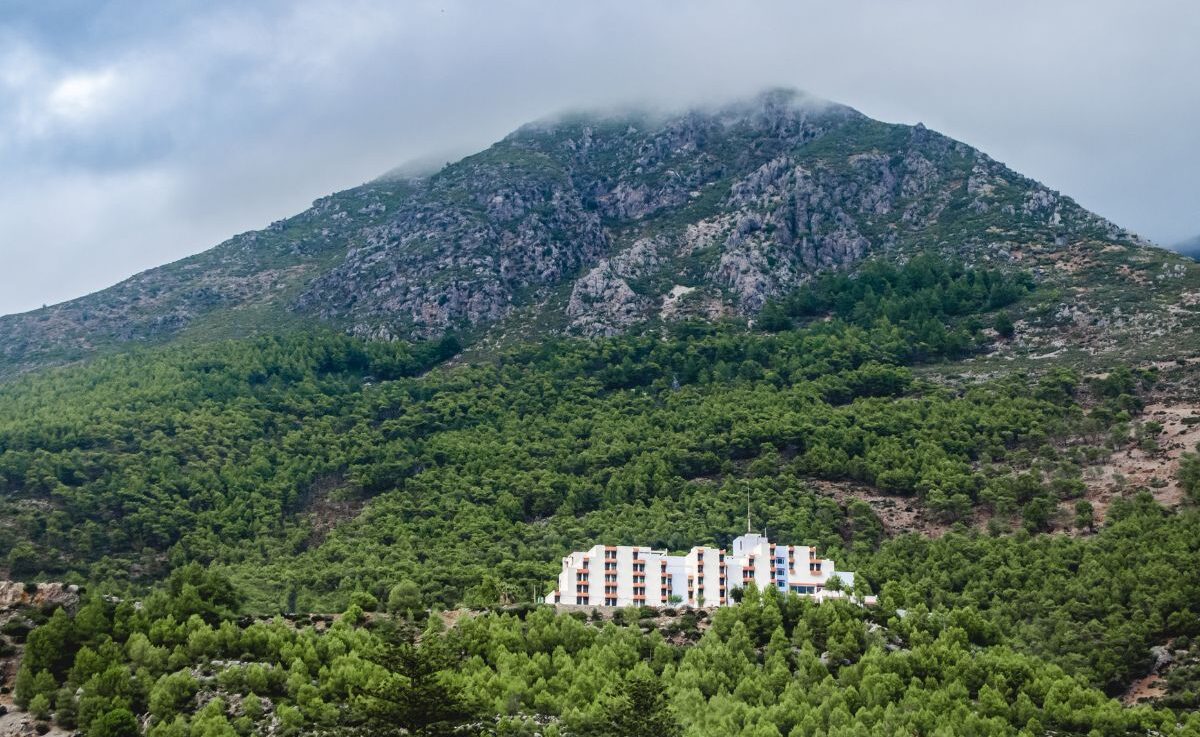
[{"x": 634, "y": 575}]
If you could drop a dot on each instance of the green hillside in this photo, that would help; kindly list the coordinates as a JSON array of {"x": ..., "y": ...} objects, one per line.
[
  {"x": 224, "y": 484},
  {"x": 247, "y": 453},
  {"x": 316, "y": 480}
]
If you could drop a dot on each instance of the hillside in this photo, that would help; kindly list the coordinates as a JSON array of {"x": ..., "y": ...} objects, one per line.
[
  {"x": 217, "y": 485},
  {"x": 314, "y": 480},
  {"x": 591, "y": 224}
]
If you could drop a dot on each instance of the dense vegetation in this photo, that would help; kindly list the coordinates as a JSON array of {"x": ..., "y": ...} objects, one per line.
[
  {"x": 482, "y": 476},
  {"x": 936, "y": 303},
  {"x": 1007, "y": 635},
  {"x": 1094, "y": 607},
  {"x": 320, "y": 473}
]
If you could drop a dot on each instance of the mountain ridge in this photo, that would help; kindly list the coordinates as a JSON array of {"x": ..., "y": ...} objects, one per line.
[{"x": 601, "y": 223}]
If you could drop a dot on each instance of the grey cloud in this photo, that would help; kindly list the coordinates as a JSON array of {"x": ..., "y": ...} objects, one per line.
[{"x": 134, "y": 133}]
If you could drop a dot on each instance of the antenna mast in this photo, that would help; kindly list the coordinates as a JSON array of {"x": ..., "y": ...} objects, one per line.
[{"x": 747, "y": 510}]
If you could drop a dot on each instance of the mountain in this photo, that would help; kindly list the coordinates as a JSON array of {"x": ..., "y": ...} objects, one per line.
[
  {"x": 592, "y": 224},
  {"x": 962, "y": 386}
]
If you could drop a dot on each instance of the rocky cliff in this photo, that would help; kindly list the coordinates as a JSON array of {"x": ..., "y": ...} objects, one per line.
[{"x": 598, "y": 223}]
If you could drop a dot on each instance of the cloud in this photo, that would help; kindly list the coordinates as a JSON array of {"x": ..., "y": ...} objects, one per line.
[
  {"x": 134, "y": 133},
  {"x": 79, "y": 98}
]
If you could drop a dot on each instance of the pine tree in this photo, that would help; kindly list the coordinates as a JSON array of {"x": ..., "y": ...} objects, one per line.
[
  {"x": 1004, "y": 324},
  {"x": 414, "y": 697},
  {"x": 639, "y": 708}
]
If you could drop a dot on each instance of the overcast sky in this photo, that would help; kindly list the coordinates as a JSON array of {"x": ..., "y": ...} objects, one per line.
[{"x": 133, "y": 133}]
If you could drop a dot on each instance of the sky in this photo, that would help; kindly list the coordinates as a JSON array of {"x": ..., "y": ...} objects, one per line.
[{"x": 134, "y": 133}]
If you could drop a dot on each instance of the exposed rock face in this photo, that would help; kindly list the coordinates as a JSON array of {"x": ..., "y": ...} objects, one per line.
[
  {"x": 740, "y": 203},
  {"x": 16, "y": 594},
  {"x": 602, "y": 303},
  {"x": 460, "y": 252}
]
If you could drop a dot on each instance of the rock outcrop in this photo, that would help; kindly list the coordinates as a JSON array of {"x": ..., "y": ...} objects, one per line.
[{"x": 14, "y": 594}]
